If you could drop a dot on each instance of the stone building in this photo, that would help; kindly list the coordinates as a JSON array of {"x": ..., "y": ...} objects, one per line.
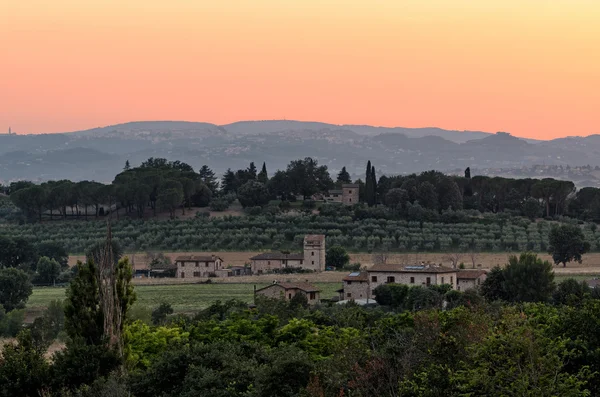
[
  {"x": 288, "y": 290},
  {"x": 347, "y": 195},
  {"x": 356, "y": 286},
  {"x": 313, "y": 257},
  {"x": 467, "y": 279},
  {"x": 192, "y": 266},
  {"x": 417, "y": 275}
]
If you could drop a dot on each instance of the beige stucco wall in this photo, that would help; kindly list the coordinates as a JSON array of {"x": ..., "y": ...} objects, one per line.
[
  {"x": 420, "y": 279},
  {"x": 465, "y": 284},
  {"x": 201, "y": 269}
]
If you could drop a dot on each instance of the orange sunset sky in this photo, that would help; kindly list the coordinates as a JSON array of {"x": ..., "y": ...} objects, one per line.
[{"x": 530, "y": 67}]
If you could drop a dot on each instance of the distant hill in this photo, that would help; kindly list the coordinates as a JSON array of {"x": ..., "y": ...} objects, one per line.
[{"x": 100, "y": 153}]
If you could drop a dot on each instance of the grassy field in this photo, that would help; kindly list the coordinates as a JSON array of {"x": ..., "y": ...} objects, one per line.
[{"x": 185, "y": 298}]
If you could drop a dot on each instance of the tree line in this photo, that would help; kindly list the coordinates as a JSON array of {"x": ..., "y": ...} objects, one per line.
[{"x": 159, "y": 185}]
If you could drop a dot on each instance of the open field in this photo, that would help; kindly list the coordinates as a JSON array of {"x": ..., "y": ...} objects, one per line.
[{"x": 186, "y": 298}]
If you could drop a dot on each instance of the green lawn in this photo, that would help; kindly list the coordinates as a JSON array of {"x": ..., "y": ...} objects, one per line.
[{"x": 182, "y": 297}]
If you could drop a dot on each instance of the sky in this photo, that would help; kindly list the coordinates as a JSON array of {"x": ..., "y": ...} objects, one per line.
[{"x": 529, "y": 67}]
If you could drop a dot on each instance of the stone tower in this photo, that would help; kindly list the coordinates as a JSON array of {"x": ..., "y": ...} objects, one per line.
[
  {"x": 350, "y": 193},
  {"x": 314, "y": 252}
]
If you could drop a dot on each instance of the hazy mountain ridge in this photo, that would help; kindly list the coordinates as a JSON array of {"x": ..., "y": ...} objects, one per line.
[{"x": 99, "y": 153}]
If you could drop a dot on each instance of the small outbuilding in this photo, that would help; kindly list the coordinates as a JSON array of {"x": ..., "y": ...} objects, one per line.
[{"x": 287, "y": 291}]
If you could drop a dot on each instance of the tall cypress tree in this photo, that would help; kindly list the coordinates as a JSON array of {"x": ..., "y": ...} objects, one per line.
[
  {"x": 373, "y": 187},
  {"x": 263, "y": 177},
  {"x": 368, "y": 185}
]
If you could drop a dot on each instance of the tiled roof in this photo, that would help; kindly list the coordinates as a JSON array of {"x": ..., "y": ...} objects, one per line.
[
  {"x": 196, "y": 258},
  {"x": 351, "y": 185},
  {"x": 277, "y": 256},
  {"x": 470, "y": 274},
  {"x": 362, "y": 276},
  {"x": 306, "y": 287},
  {"x": 335, "y": 191},
  {"x": 395, "y": 268}
]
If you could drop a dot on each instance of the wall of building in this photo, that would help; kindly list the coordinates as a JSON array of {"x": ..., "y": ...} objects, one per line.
[
  {"x": 267, "y": 265},
  {"x": 420, "y": 279},
  {"x": 278, "y": 292},
  {"x": 350, "y": 195},
  {"x": 191, "y": 269},
  {"x": 465, "y": 284},
  {"x": 356, "y": 290},
  {"x": 314, "y": 255}
]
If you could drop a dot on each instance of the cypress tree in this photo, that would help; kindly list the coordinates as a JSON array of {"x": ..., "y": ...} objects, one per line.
[
  {"x": 368, "y": 184},
  {"x": 263, "y": 177},
  {"x": 373, "y": 187}
]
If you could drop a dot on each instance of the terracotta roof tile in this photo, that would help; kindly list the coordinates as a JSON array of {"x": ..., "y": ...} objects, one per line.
[
  {"x": 277, "y": 256},
  {"x": 357, "y": 276},
  {"x": 306, "y": 287}
]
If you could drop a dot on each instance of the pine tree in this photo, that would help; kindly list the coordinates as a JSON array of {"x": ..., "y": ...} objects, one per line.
[
  {"x": 251, "y": 171},
  {"x": 343, "y": 177},
  {"x": 127, "y": 166},
  {"x": 368, "y": 185},
  {"x": 263, "y": 177}
]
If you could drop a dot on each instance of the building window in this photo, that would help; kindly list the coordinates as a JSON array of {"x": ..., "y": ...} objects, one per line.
[
  {"x": 289, "y": 296},
  {"x": 391, "y": 279},
  {"x": 442, "y": 280},
  {"x": 349, "y": 282},
  {"x": 412, "y": 280},
  {"x": 349, "y": 295},
  {"x": 196, "y": 264},
  {"x": 350, "y": 192},
  {"x": 313, "y": 262},
  {"x": 268, "y": 263},
  {"x": 196, "y": 274},
  {"x": 451, "y": 280},
  {"x": 312, "y": 295},
  {"x": 374, "y": 279},
  {"x": 206, "y": 265},
  {"x": 312, "y": 253},
  {"x": 349, "y": 200},
  {"x": 182, "y": 275},
  {"x": 301, "y": 261},
  {"x": 478, "y": 281},
  {"x": 428, "y": 282}
]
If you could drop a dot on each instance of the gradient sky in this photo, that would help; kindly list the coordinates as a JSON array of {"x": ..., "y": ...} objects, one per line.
[{"x": 530, "y": 67}]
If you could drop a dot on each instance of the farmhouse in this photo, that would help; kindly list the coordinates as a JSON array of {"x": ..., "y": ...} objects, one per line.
[
  {"x": 467, "y": 279},
  {"x": 313, "y": 257},
  {"x": 347, "y": 195},
  {"x": 288, "y": 290},
  {"x": 192, "y": 266},
  {"x": 355, "y": 286}
]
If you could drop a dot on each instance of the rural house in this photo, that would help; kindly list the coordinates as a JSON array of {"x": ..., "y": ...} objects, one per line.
[
  {"x": 192, "y": 266},
  {"x": 422, "y": 275},
  {"x": 467, "y": 279},
  {"x": 356, "y": 286},
  {"x": 313, "y": 257},
  {"x": 288, "y": 290},
  {"x": 347, "y": 195}
]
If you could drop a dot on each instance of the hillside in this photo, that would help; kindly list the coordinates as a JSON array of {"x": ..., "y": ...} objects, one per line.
[{"x": 99, "y": 153}]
